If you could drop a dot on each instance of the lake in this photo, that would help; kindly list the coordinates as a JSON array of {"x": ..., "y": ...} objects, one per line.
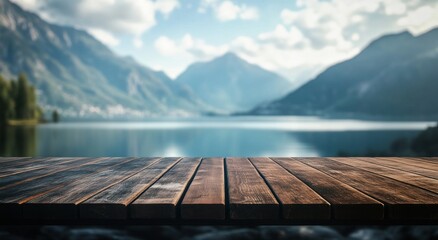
[{"x": 208, "y": 136}]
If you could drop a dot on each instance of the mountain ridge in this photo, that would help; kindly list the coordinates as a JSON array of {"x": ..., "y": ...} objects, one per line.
[
  {"x": 77, "y": 74},
  {"x": 347, "y": 88},
  {"x": 230, "y": 83}
]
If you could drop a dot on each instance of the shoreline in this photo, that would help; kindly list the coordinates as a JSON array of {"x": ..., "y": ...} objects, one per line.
[{"x": 24, "y": 122}]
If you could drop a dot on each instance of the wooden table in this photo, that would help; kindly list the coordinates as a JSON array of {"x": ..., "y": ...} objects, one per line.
[{"x": 219, "y": 190}]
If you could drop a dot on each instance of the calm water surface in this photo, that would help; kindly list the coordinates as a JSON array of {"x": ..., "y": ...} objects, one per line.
[{"x": 236, "y": 136}]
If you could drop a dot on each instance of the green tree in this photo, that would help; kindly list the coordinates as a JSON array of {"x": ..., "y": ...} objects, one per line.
[
  {"x": 23, "y": 100},
  {"x": 55, "y": 116},
  {"x": 6, "y": 103},
  {"x": 18, "y": 100},
  {"x": 39, "y": 114},
  {"x": 426, "y": 143}
]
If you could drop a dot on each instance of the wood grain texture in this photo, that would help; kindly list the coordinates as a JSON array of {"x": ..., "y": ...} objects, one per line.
[
  {"x": 205, "y": 198},
  {"x": 12, "y": 199},
  {"x": 62, "y": 202},
  {"x": 427, "y": 160},
  {"x": 234, "y": 190},
  {"x": 298, "y": 200},
  {"x": 160, "y": 200},
  {"x": 402, "y": 201},
  {"x": 346, "y": 202},
  {"x": 424, "y": 163},
  {"x": 433, "y": 160},
  {"x": 35, "y": 162},
  {"x": 10, "y": 159},
  {"x": 113, "y": 202},
  {"x": 405, "y": 165},
  {"x": 415, "y": 162},
  {"x": 29, "y": 164},
  {"x": 429, "y": 184},
  {"x": 23, "y": 161},
  {"x": 26, "y": 174},
  {"x": 249, "y": 196}
]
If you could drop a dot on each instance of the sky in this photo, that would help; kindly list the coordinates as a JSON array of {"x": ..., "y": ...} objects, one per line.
[{"x": 295, "y": 38}]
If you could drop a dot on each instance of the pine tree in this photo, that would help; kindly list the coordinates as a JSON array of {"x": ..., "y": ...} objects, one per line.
[
  {"x": 18, "y": 100},
  {"x": 22, "y": 101},
  {"x": 55, "y": 116},
  {"x": 4, "y": 101}
]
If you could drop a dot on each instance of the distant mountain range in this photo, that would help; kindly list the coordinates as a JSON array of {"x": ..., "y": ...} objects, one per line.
[
  {"x": 80, "y": 76},
  {"x": 395, "y": 76},
  {"x": 230, "y": 84}
]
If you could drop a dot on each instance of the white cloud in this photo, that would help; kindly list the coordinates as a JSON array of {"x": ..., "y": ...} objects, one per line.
[
  {"x": 282, "y": 37},
  {"x": 196, "y": 49},
  {"x": 138, "y": 43},
  {"x": 313, "y": 36},
  {"x": 185, "y": 51},
  {"x": 166, "y": 46},
  {"x": 228, "y": 10},
  {"x": 421, "y": 19},
  {"x": 28, "y": 4},
  {"x": 318, "y": 34},
  {"x": 171, "y": 71},
  {"x": 166, "y": 6},
  {"x": 393, "y": 7},
  {"x": 249, "y": 13},
  {"x": 309, "y": 37},
  {"x": 355, "y": 37},
  {"x": 296, "y": 62},
  {"x": 104, "y": 17},
  {"x": 105, "y": 37}
]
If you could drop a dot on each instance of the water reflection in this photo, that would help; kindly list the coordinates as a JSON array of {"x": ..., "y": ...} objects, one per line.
[
  {"x": 201, "y": 139},
  {"x": 18, "y": 141},
  {"x": 165, "y": 142}
]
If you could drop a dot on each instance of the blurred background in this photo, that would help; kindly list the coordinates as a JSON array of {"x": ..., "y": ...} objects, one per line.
[{"x": 218, "y": 78}]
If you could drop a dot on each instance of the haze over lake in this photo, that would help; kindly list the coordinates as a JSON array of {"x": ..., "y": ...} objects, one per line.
[{"x": 207, "y": 137}]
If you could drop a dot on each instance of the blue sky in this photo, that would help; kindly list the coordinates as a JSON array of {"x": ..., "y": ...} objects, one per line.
[{"x": 296, "y": 39}]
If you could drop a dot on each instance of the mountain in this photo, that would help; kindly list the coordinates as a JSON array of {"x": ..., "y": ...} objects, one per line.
[
  {"x": 230, "y": 84},
  {"x": 395, "y": 76},
  {"x": 80, "y": 76}
]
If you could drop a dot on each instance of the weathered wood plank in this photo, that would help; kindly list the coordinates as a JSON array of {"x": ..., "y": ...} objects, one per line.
[
  {"x": 160, "y": 200},
  {"x": 4, "y": 172},
  {"x": 415, "y": 162},
  {"x": 428, "y": 161},
  {"x": 346, "y": 202},
  {"x": 430, "y": 184},
  {"x": 10, "y": 159},
  {"x": 20, "y": 161},
  {"x": 402, "y": 201},
  {"x": 28, "y": 164},
  {"x": 62, "y": 202},
  {"x": 11, "y": 199},
  {"x": 205, "y": 197},
  {"x": 403, "y": 165},
  {"x": 29, "y": 174},
  {"x": 11, "y": 167},
  {"x": 35, "y": 161},
  {"x": 249, "y": 196},
  {"x": 112, "y": 203},
  {"x": 404, "y": 190},
  {"x": 298, "y": 200}
]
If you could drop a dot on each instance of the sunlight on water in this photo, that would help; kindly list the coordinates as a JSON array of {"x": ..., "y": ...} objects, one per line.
[
  {"x": 208, "y": 137},
  {"x": 264, "y": 123}
]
